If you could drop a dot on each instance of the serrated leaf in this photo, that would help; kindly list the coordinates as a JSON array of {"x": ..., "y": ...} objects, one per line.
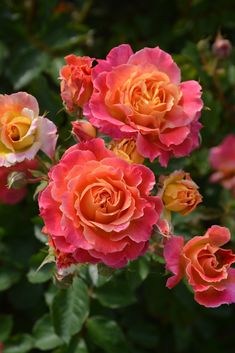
[
  {"x": 107, "y": 335},
  {"x": 6, "y": 324},
  {"x": 70, "y": 309},
  {"x": 44, "y": 334}
]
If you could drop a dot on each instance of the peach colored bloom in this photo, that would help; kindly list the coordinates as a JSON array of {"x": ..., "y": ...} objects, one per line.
[
  {"x": 13, "y": 196},
  {"x": 97, "y": 207},
  {"x": 22, "y": 131},
  {"x": 76, "y": 83},
  {"x": 83, "y": 130},
  {"x": 179, "y": 193},
  {"x": 127, "y": 150},
  {"x": 205, "y": 265},
  {"x": 139, "y": 95},
  {"x": 222, "y": 159}
]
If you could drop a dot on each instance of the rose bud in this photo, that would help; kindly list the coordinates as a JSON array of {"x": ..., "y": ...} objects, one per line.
[
  {"x": 15, "y": 177},
  {"x": 222, "y": 47},
  {"x": 126, "y": 149},
  {"x": 16, "y": 180},
  {"x": 76, "y": 82},
  {"x": 179, "y": 192},
  {"x": 83, "y": 130}
]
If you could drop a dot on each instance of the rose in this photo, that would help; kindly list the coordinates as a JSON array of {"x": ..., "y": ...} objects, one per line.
[
  {"x": 126, "y": 149},
  {"x": 22, "y": 131},
  {"x": 76, "y": 83},
  {"x": 139, "y": 95},
  {"x": 222, "y": 159},
  {"x": 82, "y": 130},
  {"x": 205, "y": 265},
  {"x": 97, "y": 207},
  {"x": 179, "y": 193},
  {"x": 13, "y": 196}
]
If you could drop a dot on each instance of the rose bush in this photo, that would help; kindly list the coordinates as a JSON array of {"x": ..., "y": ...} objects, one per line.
[
  {"x": 97, "y": 207},
  {"x": 205, "y": 265},
  {"x": 139, "y": 95},
  {"x": 22, "y": 131}
]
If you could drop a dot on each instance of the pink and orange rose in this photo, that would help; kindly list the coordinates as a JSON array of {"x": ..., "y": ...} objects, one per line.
[
  {"x": 222, "y": 159},
  {"x": 139, "y": 95},
  {"x": 76, "y": 82},
  {"x": 206, "y": 266},
  {"x": 22, "y": 131},
  {"x": 97, "y": 207}
]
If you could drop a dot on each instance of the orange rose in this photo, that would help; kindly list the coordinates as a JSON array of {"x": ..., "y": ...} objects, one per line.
[
  {"x": 179, "y": 192},
  {"x": 76, "y": 82}
]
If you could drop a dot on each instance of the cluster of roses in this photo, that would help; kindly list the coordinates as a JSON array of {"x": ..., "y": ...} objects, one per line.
[{"x": 98, "y": 206}]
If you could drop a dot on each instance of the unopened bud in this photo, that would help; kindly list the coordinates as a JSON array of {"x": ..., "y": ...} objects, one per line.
[
  {"x": 222, "y": 47},
  {"x": 16, "y": 180},
  {"x": 179, "y": 193},
  {"x": 83, "y": 130}
]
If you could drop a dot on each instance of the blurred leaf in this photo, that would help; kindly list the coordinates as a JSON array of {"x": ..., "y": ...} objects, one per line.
[
  {"x": 6, "y": 324},
  {"x": 70, "y": 309},
  {"x": 107, "y": 335},
  {"x": 77, "y": 345},
  {"x": 54, "y": 69},
  {"x": 19, "y": 344},
  {"x": 44, "y": 334},
  {"x": 26, "y": 65},
  {"x": 8, "y": 277}
]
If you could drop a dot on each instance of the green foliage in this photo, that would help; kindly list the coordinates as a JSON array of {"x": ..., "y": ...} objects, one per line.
[
  {"x": 70, "y": 309},
  {"x": 129, "y": 310},
  {"x": 106, "y": 334}
]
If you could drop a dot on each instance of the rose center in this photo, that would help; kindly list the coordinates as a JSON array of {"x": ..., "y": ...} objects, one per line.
[
  {"x": 102, "y": 198},
  {"x": 14, "y": 133}
]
